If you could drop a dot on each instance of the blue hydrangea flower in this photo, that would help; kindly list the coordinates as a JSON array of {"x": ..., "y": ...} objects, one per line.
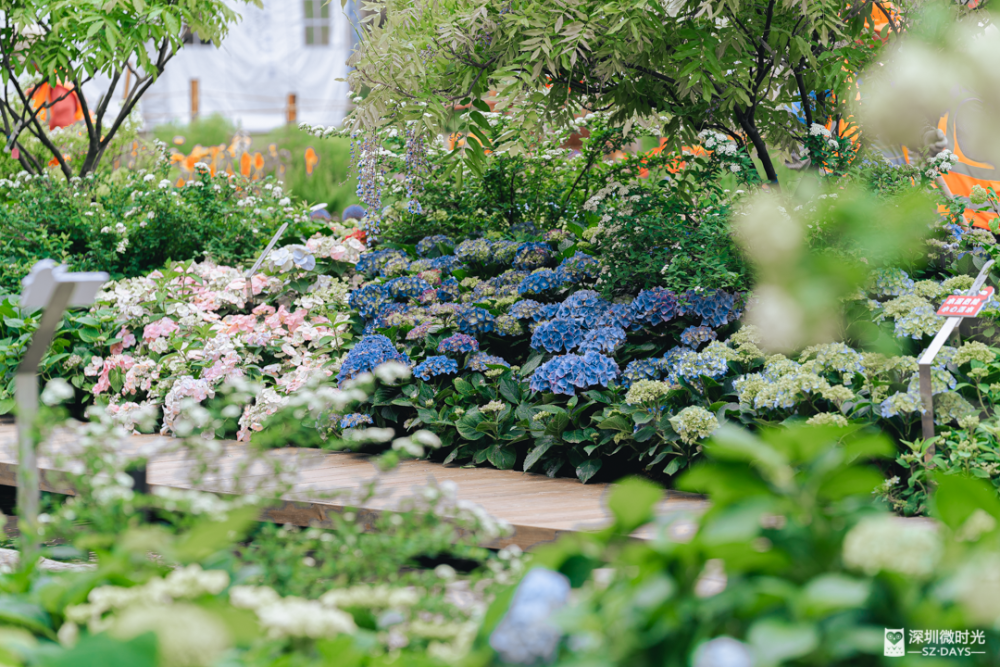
[
  {"x": 559, "y": 335},
  {"x": 643, "y": 369},
  {"x": 370, "y": 352},
  {"x": 428, "y": 245},
  {"x": 407, "y": 287},
  {"x": 654, "y": 307},
  {"x": 540, "y": 282},
  {"x": 473, "y": 320},
  {"x": 695, "y": 336},
  {"x": 689, "y": 365},
  {"x": 579, "y": 267},
  {"x": 370, "y": 263},
  {"x": 458, "y": 343},
  {"x": 532, "y": 255},
  {"x": 584, "y": 305},
  {"x": 504, "y": 251},
  {"x": 567, "y": 373},
  {"x": 890, "y": 282},
  {"x": 474, "y": 250},
  {"x": 449, "y": 290},
  {"x": 603, "y": 339},
  {"x": 714, "y": 307},
  {"x": 381, "y": 319},
  {"x": 481, "y": 362},
  {"x": 525, "y": 309},
  {"x": 506, "y": 284},
  {"x": 546, "y": 312},
  {"x": 616, "y": 315},
  {"x": 434, "y": 366},
  {"x": 354, "y": 420},
  {"x": 368, "y": 300},
  {"x": 445, "y": 263}
]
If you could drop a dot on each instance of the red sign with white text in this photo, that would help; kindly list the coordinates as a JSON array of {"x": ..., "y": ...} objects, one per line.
[{"x": 959, "y": 305}]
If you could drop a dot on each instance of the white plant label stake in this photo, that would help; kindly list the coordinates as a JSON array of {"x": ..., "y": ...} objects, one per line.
[{"x": 249, "y": 273}]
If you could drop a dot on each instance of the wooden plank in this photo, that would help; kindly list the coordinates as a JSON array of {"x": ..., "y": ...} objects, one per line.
[{"x": 538, "y": 508}]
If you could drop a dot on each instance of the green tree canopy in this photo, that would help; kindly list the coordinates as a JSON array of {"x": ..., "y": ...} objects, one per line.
[
  {"x": 734, "y": 66},
  {"x": 74, "y": 40}
]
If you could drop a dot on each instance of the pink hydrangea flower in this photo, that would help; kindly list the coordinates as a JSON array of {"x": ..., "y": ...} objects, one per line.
[
  {"x": 115, "y": 361},
  {"x": 263, "y": 309},
  {"x": 237, "y": 323},
  {"x": 164, "y": 327},
  {"x": 128, "y": 340}
]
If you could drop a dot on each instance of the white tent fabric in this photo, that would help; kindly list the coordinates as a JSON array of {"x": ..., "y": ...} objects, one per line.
[{"x": 249, "y": 76}]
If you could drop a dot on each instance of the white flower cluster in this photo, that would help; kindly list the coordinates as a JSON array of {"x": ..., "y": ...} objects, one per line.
[
  {"x": 182, "y": 584},
  {"x": 716, "y": 141},
  {"x": 940, "y": 164},
  {"x": 911, "y": 548},
  {"x": 292, "y": 616}
]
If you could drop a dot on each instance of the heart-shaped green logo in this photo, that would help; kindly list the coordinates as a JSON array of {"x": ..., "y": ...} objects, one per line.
[{"x": 894, "y": 637}]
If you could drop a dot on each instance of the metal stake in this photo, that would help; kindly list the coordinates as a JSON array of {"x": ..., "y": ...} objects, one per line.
[
  {"x": 26, "y": 394},
  {"x": 249, "y": 273},
  {"x": 927, "y": 360}
]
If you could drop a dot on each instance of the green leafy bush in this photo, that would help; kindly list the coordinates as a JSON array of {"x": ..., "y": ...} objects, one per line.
[
  {"x": 793, "y": 564},
  {"x": 130, "y": 223}
]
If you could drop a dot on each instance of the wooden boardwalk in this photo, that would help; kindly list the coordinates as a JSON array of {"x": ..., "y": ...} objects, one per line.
[{"x": 319, "y": 483}]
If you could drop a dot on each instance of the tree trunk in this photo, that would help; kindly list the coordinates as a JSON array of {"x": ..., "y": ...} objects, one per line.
[{"x": 746, "y": 121}]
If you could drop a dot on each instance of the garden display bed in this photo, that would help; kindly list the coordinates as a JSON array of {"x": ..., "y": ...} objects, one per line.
[{"x": 537, "y": 507}]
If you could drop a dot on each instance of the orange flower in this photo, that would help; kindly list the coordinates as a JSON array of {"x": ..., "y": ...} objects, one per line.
[{"x": 311, "y": 160}]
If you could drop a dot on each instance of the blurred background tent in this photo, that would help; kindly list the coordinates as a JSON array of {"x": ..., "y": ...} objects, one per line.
[
  {"x": 279, "y": 64},
  {"x": 971, "y": 169}
]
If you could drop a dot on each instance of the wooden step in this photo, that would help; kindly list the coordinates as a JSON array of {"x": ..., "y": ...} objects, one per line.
[{"x": 319, "y": 482}]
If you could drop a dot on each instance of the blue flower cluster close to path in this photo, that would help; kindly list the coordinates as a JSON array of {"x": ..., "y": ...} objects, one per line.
[
  {"x": 434, "y": 366},
  {"x": 567, "y": 373},
  {"x": 354, "y": 420},
  {"x": 370, "y": 352}
]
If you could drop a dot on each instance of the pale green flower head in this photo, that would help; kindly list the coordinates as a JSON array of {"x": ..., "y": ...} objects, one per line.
[
  {"x": 827, "y": 419},
  {"x": 958, "y": 284},
  {"x": 979, "y": 195},
  {"x": 694, "y": 423},
  {"x": 646, "y": 391},
  {"x": 973, "y": 351}
]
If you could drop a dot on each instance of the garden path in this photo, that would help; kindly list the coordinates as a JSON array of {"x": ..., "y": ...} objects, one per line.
[{"x": 319, "y": 483}]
